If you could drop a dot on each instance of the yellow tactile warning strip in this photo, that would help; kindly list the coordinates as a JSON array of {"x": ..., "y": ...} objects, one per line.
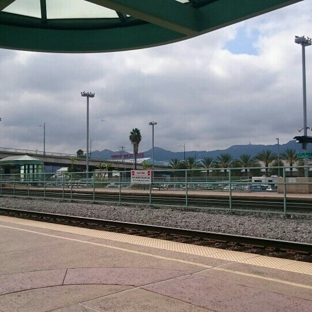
[{"x": 239, "y": 257}]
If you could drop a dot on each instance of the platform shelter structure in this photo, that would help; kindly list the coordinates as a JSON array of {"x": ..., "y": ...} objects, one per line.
[
  {"x": 26, "y": 167},
  {"x": 80, "y": 26}
]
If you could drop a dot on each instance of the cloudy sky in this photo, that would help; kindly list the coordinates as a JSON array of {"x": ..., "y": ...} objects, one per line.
[{"x": 241, "y": 84}]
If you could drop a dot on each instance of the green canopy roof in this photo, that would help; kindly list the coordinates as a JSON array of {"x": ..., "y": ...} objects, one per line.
[
  {"x": 116, "y": 25},
  {"x": 20, "y": 160}
]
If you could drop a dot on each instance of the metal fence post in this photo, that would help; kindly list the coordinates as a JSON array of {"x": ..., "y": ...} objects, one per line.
[
  {"x": 284, "y": 191},
  {"x": 63, "y": 184},
  {"x": 150, "y": 194},
  {"x": 230, "y": 189},
  {"x": 119, "y": 197},
  {"x": 71, "y": 186},
  {"x": 93, "y": 184},
  {"x": 44, "y": 185},
  {"x": 186, "y": 189},
  {"x": 28, "y": 183}
]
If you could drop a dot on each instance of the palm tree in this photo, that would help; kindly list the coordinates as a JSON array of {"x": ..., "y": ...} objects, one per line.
[
  {"x": 266, "y": 157},
  {"x": 246, "y": 161},
  {"x": 224, "y": 160},
  {"x": 191, "y": 163},
  {"x": 135, "y": 138},
  {"x": 80, "y": 153},
  {"x": 102, "y": 167},
  {"x": 276, "y": 163},
  {"x": 207, "y": 162},
  {"x": 290, "y": 156},
  {"x": 175, "y": 163},
  {"x": 105, "y": 167}
]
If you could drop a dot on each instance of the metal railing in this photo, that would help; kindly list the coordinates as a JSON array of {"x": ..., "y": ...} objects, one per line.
[{"x": 218, "y": 189}]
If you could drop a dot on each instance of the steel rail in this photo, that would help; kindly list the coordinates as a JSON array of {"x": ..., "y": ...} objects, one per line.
[
  {"x": 239, "y": 203},
  {"x": 136, "y": 228}
]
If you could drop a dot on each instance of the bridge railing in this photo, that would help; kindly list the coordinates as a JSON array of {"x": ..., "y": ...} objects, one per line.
[
  {"x": 229, "y": 189},
  {"x": 38, "y": 152},
  {"x": 52, "y": 154}
]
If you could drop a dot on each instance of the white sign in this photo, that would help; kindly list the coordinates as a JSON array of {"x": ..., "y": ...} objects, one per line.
[{"x": 141, "y": 176}]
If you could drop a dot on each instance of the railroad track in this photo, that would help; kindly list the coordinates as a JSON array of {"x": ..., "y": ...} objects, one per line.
[
  {"x": 267, "y": 247},
  {"x": 239, "y": 203}
]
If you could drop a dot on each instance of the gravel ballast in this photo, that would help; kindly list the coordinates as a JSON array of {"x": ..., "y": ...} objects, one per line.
[{"x": 270, "y": 226}]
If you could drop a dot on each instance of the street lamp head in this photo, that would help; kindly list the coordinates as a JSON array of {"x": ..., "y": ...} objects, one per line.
[
  {"x": 87, "y": 94},
  {"x": 153, "y": 123},
  {"x": 303, "y": 41}
]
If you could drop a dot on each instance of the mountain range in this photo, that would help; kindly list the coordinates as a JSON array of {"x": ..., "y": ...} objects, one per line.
[{"x": 236, "y": 151}]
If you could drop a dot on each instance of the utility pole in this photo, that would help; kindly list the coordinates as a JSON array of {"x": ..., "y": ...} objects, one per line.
[{"x": 122, "y": 148}]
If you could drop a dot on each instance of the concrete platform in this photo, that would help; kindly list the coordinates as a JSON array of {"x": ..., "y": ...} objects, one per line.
[{"x": 48, "y": 267}]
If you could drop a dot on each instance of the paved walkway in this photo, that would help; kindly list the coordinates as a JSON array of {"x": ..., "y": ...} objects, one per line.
[{"x": 48, "y": 267}]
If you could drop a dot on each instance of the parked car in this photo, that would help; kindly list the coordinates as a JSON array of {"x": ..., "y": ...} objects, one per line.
[
  {"x": 271, "y": 188},
  {"x": 257, "y": 188},
  {"x": 112, "y": 185}
]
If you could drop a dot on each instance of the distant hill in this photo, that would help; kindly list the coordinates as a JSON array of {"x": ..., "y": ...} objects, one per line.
[{"x": 235, "y": 150}]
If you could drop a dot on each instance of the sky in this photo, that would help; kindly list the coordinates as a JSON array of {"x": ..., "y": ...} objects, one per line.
[{"x": 241, "y": 84}]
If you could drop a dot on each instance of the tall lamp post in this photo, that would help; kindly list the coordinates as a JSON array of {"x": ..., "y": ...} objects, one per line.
[
  {"x": 304, "y": 42},
  {"x": 278, "y": 157},
  {"x": 183, "y": 150},
  {"x": 122, "y": 149},
  {"x": 91, "y": 140},
  {"x": 153, "y": 123},
  {"x": 87, "y": 95},
  {"x": 43, "y": 137}
]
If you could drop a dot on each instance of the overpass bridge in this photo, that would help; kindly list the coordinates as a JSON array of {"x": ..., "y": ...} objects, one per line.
[{"x": 66, "y": 160}]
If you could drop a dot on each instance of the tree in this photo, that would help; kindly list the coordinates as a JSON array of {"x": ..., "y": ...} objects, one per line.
[
  {"x": 135, "y": 138},
  {"x": 207, "y": 162},
  {"x": 105, "y": 168},
  {"x": 145, "y": 165},
  {"x": 80, "y": 153},
  {"x": 191, "y": 163},
  {"x": 300, "y": 169},
  {"x": 290, "y": 156},
  {"x": 246, "y": 161},
  {"x": 175, "y": 163},
  {"x": 224, "y": 160},
  {"x": 266, "y": 157},
  {"x": 72, "y": 160},
  {"x": 274, "y": 164}
]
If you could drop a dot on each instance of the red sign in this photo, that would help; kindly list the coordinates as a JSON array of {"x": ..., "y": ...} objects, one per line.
[
  {"x": 126, "y": 156},
  {"x": 141, "y": 176}
]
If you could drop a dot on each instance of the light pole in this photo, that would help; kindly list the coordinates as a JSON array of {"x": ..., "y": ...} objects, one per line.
[
  {"x": 304, "y": 42},
  {"x": 122, "y": 148},
  {"x": 153, "y": 123},
  {"x": 43, "y": 137},
  {"x": 91, "y": 140},
  {"x": 183, "y": 149},
  {"x": 87, "y": 95},
  {"x": 278, "y": 156}
]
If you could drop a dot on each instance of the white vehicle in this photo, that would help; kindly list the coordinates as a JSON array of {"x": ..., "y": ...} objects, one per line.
[{"x": 265, "y": 180}]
